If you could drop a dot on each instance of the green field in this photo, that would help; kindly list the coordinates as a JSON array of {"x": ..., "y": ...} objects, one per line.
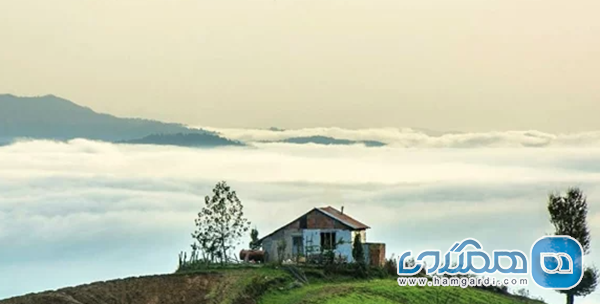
[
  {"x": 267, "y": 285},
  {"x": 257, "y": 284},
  {"x": 383, "y": 291}
]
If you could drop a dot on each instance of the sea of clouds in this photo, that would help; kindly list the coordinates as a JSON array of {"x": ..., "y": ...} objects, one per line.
[
  {"x": 420, "y": 138},
  {"x": 81, "y": 211}
]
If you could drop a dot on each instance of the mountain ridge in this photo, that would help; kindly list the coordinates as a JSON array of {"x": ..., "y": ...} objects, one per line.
[
  {"x": 327, "y": 140},
  {"x": 55, "y": 118}
]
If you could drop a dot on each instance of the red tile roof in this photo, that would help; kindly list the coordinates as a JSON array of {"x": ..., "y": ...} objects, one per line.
[{"x": 334, "y": 213}]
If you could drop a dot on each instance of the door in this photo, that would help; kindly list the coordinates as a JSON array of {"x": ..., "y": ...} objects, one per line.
[{"x": 297, "y": 247}]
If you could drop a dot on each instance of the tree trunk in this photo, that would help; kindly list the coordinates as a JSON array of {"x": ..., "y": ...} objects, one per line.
[
  {"x": 223, "y": 257},
  {"x": 570, "y": 298}
]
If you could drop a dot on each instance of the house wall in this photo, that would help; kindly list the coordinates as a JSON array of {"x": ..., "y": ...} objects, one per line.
[
  {"x": 311, "y": 243},
  {"x": 312, "y": 238},
  {"x": 374, "y": 254},
  {"x": 270, "y": 244},
  {"x": 310, "y": 227}
]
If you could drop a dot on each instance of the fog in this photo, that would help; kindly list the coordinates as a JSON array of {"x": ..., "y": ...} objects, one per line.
[
  {"x": 422, "y": 138},
  {"x": 81, "y": 211}
]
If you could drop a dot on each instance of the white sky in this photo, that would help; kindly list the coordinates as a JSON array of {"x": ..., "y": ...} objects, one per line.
[{"x": 462, "y": 65}]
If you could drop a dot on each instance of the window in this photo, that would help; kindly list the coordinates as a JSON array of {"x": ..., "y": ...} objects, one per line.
[
  {"x": 303, "y": 222},
  {"x": 328, "y": 240}
]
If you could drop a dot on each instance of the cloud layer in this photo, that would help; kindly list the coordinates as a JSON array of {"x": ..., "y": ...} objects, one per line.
[
  {"x": 415, "y": 138},
  {"x": 82, "y": 211}
]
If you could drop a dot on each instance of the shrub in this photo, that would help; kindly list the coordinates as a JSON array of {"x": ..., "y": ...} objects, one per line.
[
  {"x": 353, "y": 270},
  {"x": 522, "y": 293},
  {"x": 390, "y": 266},
  {"x": 379, "y": 272},
  {"x": 495, "y": 289},
  {"x": 314, "y": 273},
  {"x": 358, "y": 252}
]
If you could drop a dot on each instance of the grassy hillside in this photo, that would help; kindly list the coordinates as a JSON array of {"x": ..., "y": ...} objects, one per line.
[
  {"x": 259, "y": 285},
  {"x": 241, "y": 286},
  {"x": 383, "y": 292}
]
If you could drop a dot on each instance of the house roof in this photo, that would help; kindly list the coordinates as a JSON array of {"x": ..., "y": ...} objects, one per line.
[{"x": 332, "y": 213}]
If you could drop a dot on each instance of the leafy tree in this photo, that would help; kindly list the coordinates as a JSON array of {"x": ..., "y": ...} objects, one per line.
[
  {"x": 254, "y": 241},
  {"x": 410, "y": 263},
  {"x": 221, "y": 222},
  {"x": 522, "y": 292},
  {"x": 358, "y": 252},
  {"x": 568, "y": 214},
  {"x": 390, "y": 266}
]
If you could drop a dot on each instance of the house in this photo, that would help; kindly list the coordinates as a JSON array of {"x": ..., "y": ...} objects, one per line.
[{"x": 321, "y": 229}]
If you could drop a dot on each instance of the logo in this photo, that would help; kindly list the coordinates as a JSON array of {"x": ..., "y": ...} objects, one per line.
[
  {"x": 465, "y": 264},
  {"x": 557, "y": 262}
]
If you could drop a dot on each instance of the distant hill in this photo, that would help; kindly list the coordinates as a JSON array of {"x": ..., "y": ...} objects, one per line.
[
  {"x": 185, "y": 140},
  {"x": 324, "y": 140},
  {"x": 51, "y": 117}
]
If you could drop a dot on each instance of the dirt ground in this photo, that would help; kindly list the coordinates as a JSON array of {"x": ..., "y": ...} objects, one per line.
[{"x": 167, "y": 289}]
